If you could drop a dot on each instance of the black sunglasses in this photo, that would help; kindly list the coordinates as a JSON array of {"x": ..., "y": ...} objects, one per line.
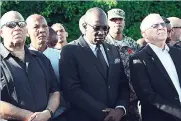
[
  {"x": 98, "y": 28},
  {"x": 157, "y": 25},
  {"x": 13, "y": 24}
]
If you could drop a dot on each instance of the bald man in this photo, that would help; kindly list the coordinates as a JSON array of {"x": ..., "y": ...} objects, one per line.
[
  {"x": 92, "y": 73},
  {"x": 176, "y": 28},
  {"x": 156, "y": 73},
  {"x": 29, "y": 90},
  {"x": 176, "y": 31},
  {"x": 37, "y": 31},
  {"x": 62, "y": 35}
]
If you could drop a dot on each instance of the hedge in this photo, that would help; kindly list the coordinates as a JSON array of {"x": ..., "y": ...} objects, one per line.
[{"x": 69, "y": 12}]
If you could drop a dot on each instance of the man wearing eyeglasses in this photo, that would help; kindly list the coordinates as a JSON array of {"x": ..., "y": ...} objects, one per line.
[
  {"x": 176, "y": 31},
  {"x": 126, "y": 46},
  {"x": 156, "y": 74},
  {"x": 62, "y": 35},
  {"x": 28, "y": 84},
  {"x": 92, "y": 73}
]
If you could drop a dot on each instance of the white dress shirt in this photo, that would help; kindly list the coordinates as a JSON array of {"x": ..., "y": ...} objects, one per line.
[
  {"x": 168, "y": 64},
  {"x": 94, "y": 50}
]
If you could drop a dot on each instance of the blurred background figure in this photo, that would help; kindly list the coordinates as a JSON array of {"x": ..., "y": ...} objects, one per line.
[
  {"x": 176, "y": 31},
  {"x": 62, "y": 35}
]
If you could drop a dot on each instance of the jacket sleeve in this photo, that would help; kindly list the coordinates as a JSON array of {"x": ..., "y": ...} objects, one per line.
[
  {"x": 143, "y": 88},
  {"x": 72, "y": 86}
]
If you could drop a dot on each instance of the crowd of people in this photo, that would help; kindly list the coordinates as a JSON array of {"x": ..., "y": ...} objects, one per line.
[{"x": 101, "y": 76}]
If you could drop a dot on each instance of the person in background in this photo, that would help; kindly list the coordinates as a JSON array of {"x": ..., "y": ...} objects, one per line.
[
  {"x": 62, "y": 35},
  {"x": 126, "y": 46}
]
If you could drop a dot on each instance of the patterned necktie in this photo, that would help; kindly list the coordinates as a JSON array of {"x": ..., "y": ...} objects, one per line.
[{"x": 101, "y": 59}]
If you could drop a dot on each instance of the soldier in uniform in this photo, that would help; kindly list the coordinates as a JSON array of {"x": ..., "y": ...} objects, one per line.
[{"x": 126, "y": 46}]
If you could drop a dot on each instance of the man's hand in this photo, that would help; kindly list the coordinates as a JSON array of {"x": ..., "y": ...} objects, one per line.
[
  {"x": 41, "y": 116},
  {"x": 114, "y": 114}
]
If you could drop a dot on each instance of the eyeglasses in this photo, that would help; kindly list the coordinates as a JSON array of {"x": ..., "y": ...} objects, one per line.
[
  {"x": 155, "y": 26},
  {"x": 98, "y": 28},
  {"x": 13, "y": 24},
  {"x": 177, "y": 27}
]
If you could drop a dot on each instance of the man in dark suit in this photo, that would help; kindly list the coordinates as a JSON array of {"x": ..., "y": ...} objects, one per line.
[
  {"x": 156, "y": 73},
  {"x": 92, "y": 74}
]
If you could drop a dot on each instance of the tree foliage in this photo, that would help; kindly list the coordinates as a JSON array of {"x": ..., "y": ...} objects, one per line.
[{"x": 69, "y": 12}]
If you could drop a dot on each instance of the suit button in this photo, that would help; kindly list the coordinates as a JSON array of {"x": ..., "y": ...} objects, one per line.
[
  {"x": 109, "y": 87},
  {"x": 176, "y": 98}
]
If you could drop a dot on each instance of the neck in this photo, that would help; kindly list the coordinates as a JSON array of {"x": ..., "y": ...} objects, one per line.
[
  {"x": 117, "y": 36},
  {"x": 19, "y": 53},
  {"x": 60, "y": 45},
  {"x": 40, "y": 48},
  {"x": 159, "y": 44}
]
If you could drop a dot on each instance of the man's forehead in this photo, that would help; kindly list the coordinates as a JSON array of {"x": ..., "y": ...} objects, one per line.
[
  {"x": 11, "y": 16},
  {"x": 36, "y": 19},
  {"x": 150, "y": 20},
  {"x": 58, "y": 27}
]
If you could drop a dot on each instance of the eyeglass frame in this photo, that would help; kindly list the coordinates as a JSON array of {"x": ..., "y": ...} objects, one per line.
[
  {"x": 17, "y": 23},
  {"x": 99, "y": 26}
]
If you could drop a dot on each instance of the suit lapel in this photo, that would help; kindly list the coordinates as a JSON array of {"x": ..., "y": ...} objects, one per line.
[
  {"x": 109, "y": 56},
  {"x": 159, "y": 65},
  {"x": 176, "y": 59},
  {"x": 91, "y": 56}
]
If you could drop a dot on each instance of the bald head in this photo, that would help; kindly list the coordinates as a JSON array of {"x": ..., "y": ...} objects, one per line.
[
  {"x": 95, "y": 13},
  {"x": 174, "y": 21},
  {"x": 35, "y": 17},
  {"x": 149, "y": 20},
  {"x": 81, "y": 24},
  {"x": 13, "y": 30},
  {"x": 11, "y": 14},
  {"x": 176, "y": 28},
  {"x": 37, "y": 31}
]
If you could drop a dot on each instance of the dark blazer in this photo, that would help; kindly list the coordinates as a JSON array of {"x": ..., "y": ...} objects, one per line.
[
  {"x": 85, "y": 85},
  {"x": 158, "y": 96}
]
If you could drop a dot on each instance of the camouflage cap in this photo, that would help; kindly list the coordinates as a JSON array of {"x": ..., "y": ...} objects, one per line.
[{"x": 116, "y": 13}]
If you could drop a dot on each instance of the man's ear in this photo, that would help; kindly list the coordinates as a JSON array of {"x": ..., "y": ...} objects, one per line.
[
  {"x": 1, "y": 33},
  {"x": 143, "y": 34},
  {"x": 84, "y": 25},
  {"x": 67, "y": 34}
]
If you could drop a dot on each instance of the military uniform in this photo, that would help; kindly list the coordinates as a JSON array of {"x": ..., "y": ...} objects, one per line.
[{"x": 127, "y": 46}]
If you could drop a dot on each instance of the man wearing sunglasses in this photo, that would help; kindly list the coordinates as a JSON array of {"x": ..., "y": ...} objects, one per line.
[
  {"x": 126, "y": 46},
  {"x": 156, "y": 74},
  {"x": 176, "y": 31},
  {"x": 28, "y": 84},
  {"x": 92, "y": 73}
]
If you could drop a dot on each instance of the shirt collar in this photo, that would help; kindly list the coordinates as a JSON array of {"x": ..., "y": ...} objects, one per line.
[
  {"x": 92, "y": 46},
  {"x": 157, "y": 49},
  {"x": 32, "y": 48},
  {"x": 5, "y": 52}
]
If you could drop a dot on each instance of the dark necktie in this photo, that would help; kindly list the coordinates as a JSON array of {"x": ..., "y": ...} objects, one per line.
[{"x": 101, "y": 59}]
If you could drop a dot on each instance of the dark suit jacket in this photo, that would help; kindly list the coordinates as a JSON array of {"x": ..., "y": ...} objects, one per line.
[
  {"x": 86, "y": 87},
  {"x": 158, "y": 96}
]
